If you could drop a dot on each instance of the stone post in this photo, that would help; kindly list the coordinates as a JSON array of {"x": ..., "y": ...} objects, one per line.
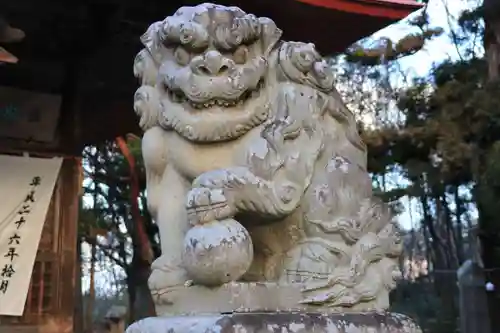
[
  {"x": 116, "y": 319},
  {"x": 474, "y": 317}
]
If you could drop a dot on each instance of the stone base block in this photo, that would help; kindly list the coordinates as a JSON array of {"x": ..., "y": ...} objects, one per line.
[{"x": 279, "y": 322}]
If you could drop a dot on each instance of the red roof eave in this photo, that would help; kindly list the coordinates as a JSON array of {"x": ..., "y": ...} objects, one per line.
[{"x": 390, "y": 9}]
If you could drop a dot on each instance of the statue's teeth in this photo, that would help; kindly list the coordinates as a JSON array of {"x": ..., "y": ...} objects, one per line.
[{"x": 211, "y": 103}]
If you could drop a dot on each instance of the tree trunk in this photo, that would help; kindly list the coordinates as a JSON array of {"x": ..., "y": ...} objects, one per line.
[
  {"x": 486, "y": 197},
  {"x": 140, "y": 300},
  {"x": 78, "y": 313},
  {"x": 442, "y": 285},
  {"x": 459, "y": 225},
  {"x": 89, "y": 318},
  {"x": 141, "y": 303},
  {"x": 488, "y": 233}
]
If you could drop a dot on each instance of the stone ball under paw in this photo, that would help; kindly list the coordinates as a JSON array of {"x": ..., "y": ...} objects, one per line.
[{"x": 217, "y": 252}]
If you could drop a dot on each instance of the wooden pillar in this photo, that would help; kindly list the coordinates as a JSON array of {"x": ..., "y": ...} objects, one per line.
[{"x": 70, "y": 182}]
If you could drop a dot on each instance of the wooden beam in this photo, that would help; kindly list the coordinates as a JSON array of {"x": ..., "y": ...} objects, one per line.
[{"x": 390, "y": 9}]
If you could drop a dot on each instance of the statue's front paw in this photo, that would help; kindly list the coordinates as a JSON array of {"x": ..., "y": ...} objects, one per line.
[
  {"x": 205, "y": 205},
  {"x": 165, "y": 277}
]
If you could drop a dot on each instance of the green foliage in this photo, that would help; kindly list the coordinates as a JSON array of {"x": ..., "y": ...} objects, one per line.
[
  {"x": 107, "y": 222},
  {"x": 385, "y": 49},
  {"x": 108, "y": 195},
  {"x": 449, "y": 139},
  {"x": 388, "y": 50},
  {"x": 447, "y": 124}
]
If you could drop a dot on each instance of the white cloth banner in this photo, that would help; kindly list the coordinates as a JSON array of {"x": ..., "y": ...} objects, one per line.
[{"x": 26, "y": 186}]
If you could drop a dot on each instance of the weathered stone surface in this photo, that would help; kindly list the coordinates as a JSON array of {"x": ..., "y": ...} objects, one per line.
[
  {"x": 246, "y": 131},
  {"x": 242, "y": 297},
  {"x": 217, "y": 252},
  {"x": 231, "y": 297},
  {"x": 284, "y": 322},
  {"x": 241, "y": 125}
]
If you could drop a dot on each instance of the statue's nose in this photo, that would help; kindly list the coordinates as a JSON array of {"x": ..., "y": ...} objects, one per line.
[{"x": 213, "y": 64}]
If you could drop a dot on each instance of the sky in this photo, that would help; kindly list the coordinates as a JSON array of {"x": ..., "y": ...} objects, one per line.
[{"x": 438, "y": 49}]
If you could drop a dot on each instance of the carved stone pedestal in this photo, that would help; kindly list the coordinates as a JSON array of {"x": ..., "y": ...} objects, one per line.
[
  {"x": 279, "y": 322},
  {"x": 241, "y": 297}
]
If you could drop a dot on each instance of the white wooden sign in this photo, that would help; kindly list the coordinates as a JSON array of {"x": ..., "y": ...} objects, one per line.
[{"x": 26, "y": 186}]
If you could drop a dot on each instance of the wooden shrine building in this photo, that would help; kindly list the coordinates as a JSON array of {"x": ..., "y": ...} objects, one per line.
[{"x": 72, "y": 85}]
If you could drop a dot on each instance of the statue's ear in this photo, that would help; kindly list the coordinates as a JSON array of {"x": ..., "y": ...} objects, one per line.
[
  {"x": 270, "y": 34},
  {"x": 150, "y": 39}
]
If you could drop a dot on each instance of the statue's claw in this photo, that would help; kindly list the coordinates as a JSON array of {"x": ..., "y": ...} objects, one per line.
[
  {"x": 222, "y": 178},
  {"x": 205, "y": 205}
]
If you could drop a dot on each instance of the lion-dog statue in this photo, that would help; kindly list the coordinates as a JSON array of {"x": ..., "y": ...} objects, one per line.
[{"x": 238, "y": 123}]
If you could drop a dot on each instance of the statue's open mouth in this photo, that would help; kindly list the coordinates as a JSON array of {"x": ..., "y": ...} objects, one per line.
[{"x": 178, "y": 96}]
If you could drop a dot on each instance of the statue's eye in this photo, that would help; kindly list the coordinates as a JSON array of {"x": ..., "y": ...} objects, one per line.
[
  {"x": 240, "y": 55},
  {"x": 182, "y": 57}
]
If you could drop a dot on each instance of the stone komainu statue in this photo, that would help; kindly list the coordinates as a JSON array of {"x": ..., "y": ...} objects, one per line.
[{"x": 242, "y": 125}]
